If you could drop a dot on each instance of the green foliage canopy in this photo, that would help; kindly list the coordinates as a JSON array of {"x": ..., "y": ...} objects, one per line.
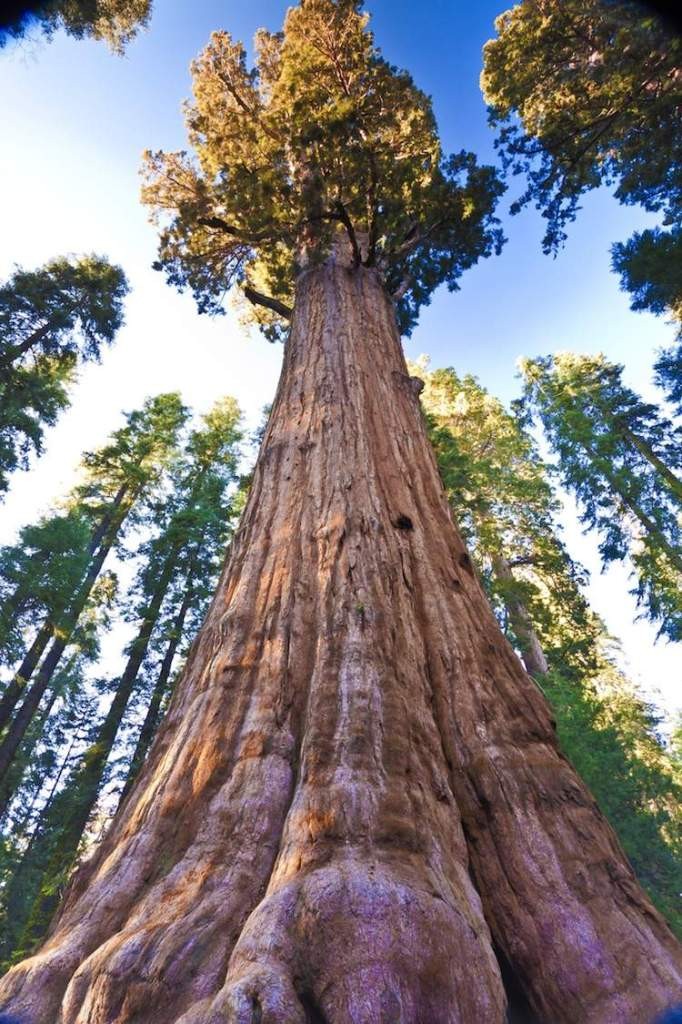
[
  {"x": 131, "y": 465},
  {"x": 51, "y": 319},
  {"x": 39, "y": 574},
  {"x": 668, "y": 374},
  {"x": 321, "y": 135},
  {"x": 587, "y": 92}
]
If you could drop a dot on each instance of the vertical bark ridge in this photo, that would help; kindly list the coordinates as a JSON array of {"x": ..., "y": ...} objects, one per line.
[{"x": 351, "y": 743}]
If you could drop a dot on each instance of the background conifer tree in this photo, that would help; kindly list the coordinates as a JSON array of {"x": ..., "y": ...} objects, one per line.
[
  {"x": 621, "y": 458},
  {"x": 585, "y": 94},
  {"x": 505, "y": 506},
  {"x": 116, "y": 22},
  {"x": 38, "y": 575},
  {"x": 51, "y": 320},
  {"x": 588, "y": 93},
  {"x": 119, "y": 481}
]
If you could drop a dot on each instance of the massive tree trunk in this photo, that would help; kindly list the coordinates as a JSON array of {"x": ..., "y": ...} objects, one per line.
[{"x": 356, "y": 795}]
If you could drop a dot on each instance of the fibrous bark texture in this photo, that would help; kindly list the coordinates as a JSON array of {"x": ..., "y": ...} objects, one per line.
[{"x": 357, "y": 793}]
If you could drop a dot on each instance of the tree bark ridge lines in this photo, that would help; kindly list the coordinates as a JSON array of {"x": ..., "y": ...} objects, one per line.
[{"x": 357, "y": 788}]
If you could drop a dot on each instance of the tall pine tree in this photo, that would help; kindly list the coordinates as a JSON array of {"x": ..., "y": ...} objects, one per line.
[{"x": 498, "y": 488}]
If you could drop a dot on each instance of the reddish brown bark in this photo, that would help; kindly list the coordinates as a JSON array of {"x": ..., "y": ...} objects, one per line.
[{"x": 353, "y": 755}]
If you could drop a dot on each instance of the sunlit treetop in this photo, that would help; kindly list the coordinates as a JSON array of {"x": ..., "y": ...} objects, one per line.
[
  {"x": 321, "y": 135},
  {"x": 133, "y": 459},
  {"x": 587, "y": 92}
]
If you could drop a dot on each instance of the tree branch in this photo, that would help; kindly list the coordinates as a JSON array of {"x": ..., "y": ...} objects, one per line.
[
  {"x": 414, "y": 238},
  {"x": 525, "y": 560},
  {"x": 403, "y": 288},
  {"x": 258, "y": 299},
  {"x": 348, "y": 224},
  {"x": 229, "y": 229}
]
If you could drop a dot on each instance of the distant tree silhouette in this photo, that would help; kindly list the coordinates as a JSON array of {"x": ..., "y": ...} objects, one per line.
[{"x": 115, "y": 22}]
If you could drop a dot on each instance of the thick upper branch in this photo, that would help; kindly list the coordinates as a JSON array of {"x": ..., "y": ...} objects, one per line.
[
  {"x": 230, "y": 229},
  {"x": 258, "y": 299}
]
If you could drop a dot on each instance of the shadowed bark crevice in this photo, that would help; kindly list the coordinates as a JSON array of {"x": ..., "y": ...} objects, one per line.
[
  {"x": 313, "y": 1014},
  {"x": 518, "y": 1008}
]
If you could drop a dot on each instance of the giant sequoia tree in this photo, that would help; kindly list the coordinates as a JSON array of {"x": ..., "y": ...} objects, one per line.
[{"x": 356, "y": 809}]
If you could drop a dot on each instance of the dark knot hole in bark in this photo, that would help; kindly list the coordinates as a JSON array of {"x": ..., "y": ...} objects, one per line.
[
  {"x": 403, "y": 523},
  {"x": 465, "y": 562}
]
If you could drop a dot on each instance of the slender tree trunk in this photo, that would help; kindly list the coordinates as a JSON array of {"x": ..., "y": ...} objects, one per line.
[
  {"x": 16, "y": 687},
  {"x": 153, "y": 715},
  {"x": 673, "y": 482},
  {"x": 14, "y": 778},
  {"x": 27, "y": 876},
  {"x": 357, "y": 793},
  {"x": 674, "y": 555},
  {"x": 113, "y": 513},
  {"x": 22, "y": 719},
  {"x": 532, "y": 654}
]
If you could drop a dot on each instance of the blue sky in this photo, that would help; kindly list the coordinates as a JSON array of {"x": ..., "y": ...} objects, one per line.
[{"x": 75, "y": 120}]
